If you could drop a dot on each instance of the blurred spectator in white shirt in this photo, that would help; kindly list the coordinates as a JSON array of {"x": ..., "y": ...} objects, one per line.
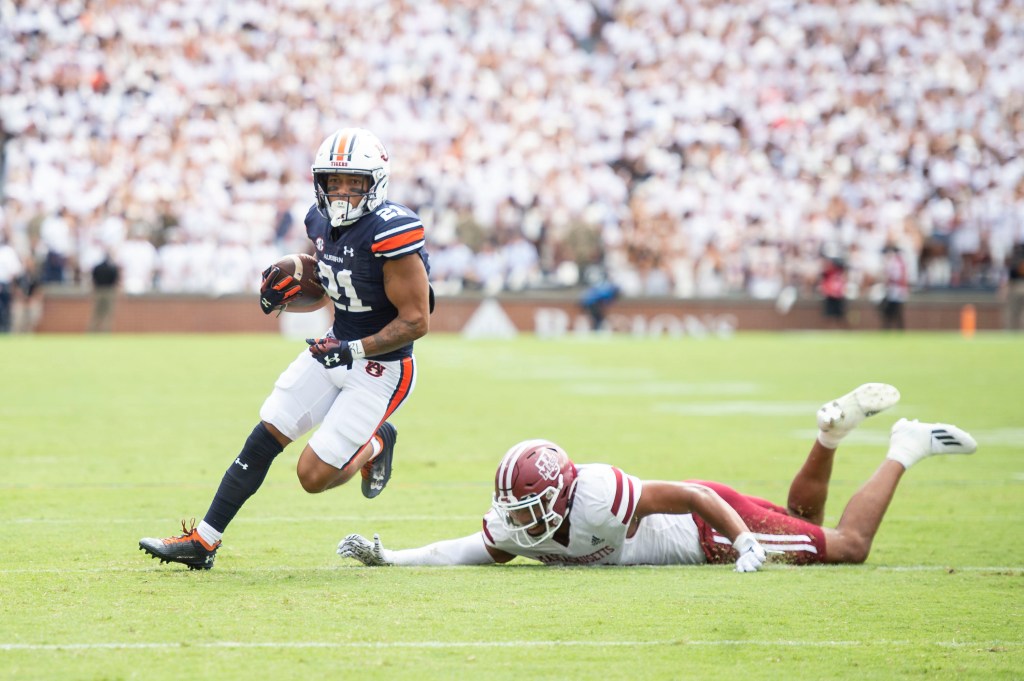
[{"x": 137, "y": 258}]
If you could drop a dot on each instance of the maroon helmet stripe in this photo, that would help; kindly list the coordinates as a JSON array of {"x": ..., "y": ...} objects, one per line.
[{"x": 507, "y": 467}]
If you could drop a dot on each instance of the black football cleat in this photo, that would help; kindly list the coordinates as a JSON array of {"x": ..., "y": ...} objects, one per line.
[
  {"x": 188, "y": 549},
  {"x": 377, "y": 472}
]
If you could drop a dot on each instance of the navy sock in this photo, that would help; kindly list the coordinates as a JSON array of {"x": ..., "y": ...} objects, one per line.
[{"x": 243, "y": 477}]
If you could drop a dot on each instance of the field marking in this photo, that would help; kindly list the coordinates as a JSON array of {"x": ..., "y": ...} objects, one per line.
[
  {"x": 36, "y": 647},
  {"x": 568, "y": 373},
  {"x": 268, "y": 519},
  {"x": 153, "y": 568},
  {"x": 383, "y": 520},
  {"x": 741, "y": 407},
  {"x": 659, "y": 388}
]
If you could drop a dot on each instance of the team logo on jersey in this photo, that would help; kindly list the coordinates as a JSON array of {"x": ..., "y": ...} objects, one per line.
[{"x": 547, "y": 465}]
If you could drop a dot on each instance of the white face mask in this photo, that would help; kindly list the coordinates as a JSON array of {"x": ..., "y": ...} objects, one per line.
[
  {"x": 521, "y": 516},
  {"x": 343, "y": 213}
]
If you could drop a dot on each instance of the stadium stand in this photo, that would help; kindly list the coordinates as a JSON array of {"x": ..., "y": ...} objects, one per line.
[{"x": 687, "y": 148}]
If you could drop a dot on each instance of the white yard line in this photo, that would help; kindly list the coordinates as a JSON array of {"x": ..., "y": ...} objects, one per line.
[
  {"x": 174, "y": 645},
  {"x": 153, "y": 567},
  {"x": 269, "y": 519}
]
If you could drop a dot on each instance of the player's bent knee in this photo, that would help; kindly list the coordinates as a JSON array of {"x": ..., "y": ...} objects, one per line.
[
  {"x": 852, "y": 552},
  {"x": 281, "y": 438},
  {"x": 846, "y": 547},
  {"x": 310, "y": 483},
  {"x": 860, "y": 553},
  {"x": 314, "y": 475}
]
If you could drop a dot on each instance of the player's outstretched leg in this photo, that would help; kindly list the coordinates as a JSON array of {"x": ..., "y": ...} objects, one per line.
[
  {"x": 912, "y": 441},
  {"x": 377, "y": 471},
  {"x": 188, "y": 549},
  {"x": 838, "y": 417}
]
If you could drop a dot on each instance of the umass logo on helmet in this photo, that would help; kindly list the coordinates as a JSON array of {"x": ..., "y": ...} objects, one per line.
[{"x": 547, "y": 465}]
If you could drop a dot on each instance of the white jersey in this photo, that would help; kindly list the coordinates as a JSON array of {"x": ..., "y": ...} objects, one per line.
[{"x": 602, "y": 508}]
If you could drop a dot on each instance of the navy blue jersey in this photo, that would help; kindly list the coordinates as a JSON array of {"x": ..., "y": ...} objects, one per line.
[{"x": 352, "y": 267}]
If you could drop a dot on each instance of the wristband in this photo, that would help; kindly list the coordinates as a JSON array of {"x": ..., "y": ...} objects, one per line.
[
  {"x": 744, "y": 540},
  {"x": 356, "y": 348}
]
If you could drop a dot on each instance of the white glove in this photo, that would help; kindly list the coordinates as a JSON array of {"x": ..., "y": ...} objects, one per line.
[
  {"x": 372, "y": 555},
  {"x": 752, "y": 556}
]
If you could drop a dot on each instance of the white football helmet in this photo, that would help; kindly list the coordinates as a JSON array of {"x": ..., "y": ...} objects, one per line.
[
  {"x": 532, "y": 487},
  {"x": 351, "y": 151}
]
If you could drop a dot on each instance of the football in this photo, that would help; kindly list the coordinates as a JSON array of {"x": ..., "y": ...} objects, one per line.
[{"x": 303, "y": 267}]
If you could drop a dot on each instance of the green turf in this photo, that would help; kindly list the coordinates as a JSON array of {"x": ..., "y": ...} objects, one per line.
[{"x": 107, "y": 439}]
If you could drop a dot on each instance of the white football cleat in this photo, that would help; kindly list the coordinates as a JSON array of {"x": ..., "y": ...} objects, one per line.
[
  {"x": 912, "y": 441},
  {"x": 841, "y": 415}
]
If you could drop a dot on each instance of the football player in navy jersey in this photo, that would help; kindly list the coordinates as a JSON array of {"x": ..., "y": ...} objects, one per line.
[
  {"x": 549, "y": 509},
  {"x": 373, "y": 266}
]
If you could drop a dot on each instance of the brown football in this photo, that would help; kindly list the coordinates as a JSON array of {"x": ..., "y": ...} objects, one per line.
[{"x": 304, "y": 268}]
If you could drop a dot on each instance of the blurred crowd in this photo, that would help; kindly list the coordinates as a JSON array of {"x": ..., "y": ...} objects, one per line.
[{"x": 687, "y": 148}]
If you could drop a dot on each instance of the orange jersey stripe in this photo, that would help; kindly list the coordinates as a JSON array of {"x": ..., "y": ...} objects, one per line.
[{"x": 399, "y": 240}]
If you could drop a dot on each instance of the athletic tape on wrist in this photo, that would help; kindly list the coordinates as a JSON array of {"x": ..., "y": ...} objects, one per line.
[
  {"x": 356, "y": 347},
  {"x": 744, "y": 540}
]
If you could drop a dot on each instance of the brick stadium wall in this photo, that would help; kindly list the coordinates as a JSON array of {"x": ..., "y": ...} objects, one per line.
[{"x": 548, "y": 314}]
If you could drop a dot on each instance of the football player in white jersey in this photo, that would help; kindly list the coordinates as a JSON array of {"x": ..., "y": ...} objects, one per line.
[{"x": 549, "y": 509}]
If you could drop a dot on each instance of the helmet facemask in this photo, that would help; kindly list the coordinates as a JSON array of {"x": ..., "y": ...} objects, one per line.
[
  {"x": 519, "y": 516},
  {"x": 343, "y": 208}
]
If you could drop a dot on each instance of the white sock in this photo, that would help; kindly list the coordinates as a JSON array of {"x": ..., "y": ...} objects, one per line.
[
  {"x": 830, "y": 440},
  {"x": 902, "y": 456},
  {"x": 209, "y": 535},
  {"x": 377, "y": 446}
]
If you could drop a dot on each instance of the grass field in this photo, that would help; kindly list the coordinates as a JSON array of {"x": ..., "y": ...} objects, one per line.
[{"x": 107, "y": 439}]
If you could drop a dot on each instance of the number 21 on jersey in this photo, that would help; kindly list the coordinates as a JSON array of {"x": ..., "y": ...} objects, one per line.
[{"x": 340, "y": 288}]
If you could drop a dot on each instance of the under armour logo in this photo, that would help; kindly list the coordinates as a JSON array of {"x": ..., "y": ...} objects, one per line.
[
  {"x": 594, "y": 541},
  {"x": 348, "y": 250},
  {"x": 244, "y": 466},
  {"x": 331, "y": 359}
]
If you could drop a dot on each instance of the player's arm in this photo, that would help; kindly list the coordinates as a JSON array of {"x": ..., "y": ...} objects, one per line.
[
  {"x": 407, "y": 287},
  {"x": 686, "y": 497},
  {"x": 471, "y": 550}
]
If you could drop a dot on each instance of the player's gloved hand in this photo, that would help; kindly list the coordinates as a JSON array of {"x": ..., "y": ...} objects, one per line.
[
  {"x": 331, "y": 352},
  {"x": 358, "y": 547},
  {"x": 277, "y": 290},
  {"x": 752, "y": 555}
]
